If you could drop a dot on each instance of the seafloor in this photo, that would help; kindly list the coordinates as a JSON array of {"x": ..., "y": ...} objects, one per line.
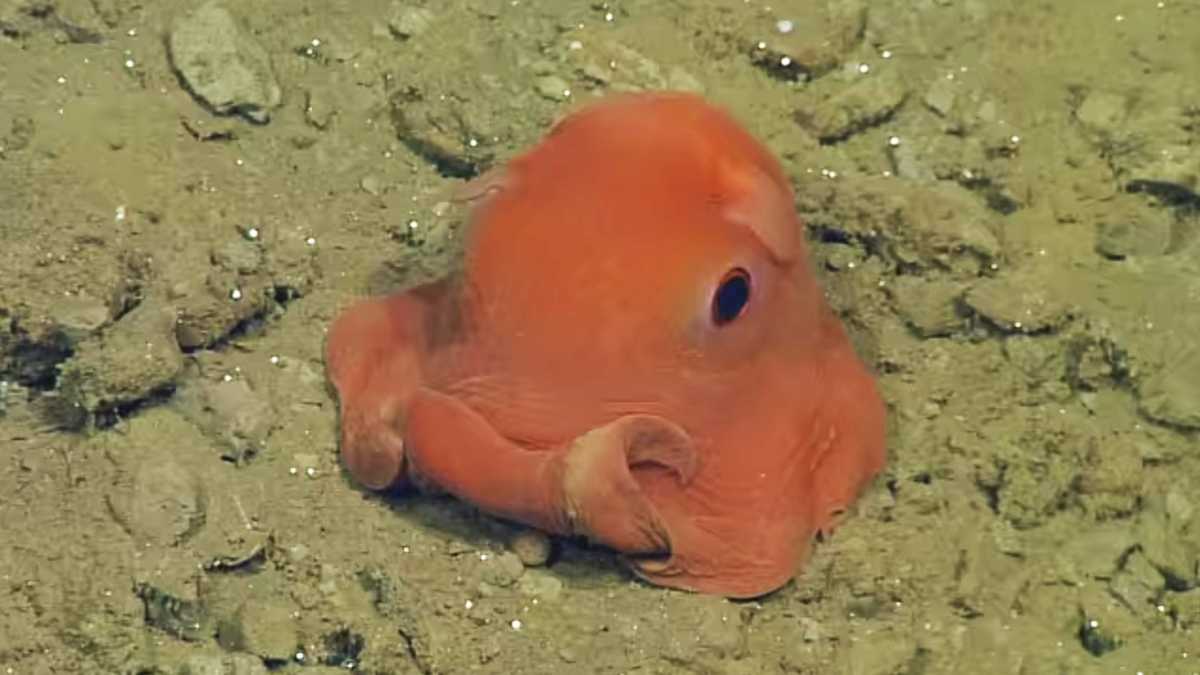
[{"x": 1001, "y": 198}]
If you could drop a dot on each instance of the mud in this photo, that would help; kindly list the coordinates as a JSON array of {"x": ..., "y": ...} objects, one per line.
[{"x": 1002, "y": 198}]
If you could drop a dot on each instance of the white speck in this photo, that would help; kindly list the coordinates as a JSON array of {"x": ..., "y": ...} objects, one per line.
[
  {"x": 311, "y": 241},
  {"x": 299, "y": 656},
  {"x": 893, "y": 141},
  {"x": 413, "y": 224},
  {"x": 1014, "y": 139},
  {"x": 574, "y": 44},
  {"x": 274, "y": 360},
  {"x": 785, "y": 26},
  {"x": 887, "y": 173},
  {"x": 252, "y": 233},
  {"x": 516, "y": 624},
  {"x": 1119, "y": 18},
  {"x": 949, "y": 76},
  {"x": 235, "y": 294},
  {"x": 1017, "y": 325},
  {"x": 316, "y": 42},
  {"x": 785, "y": 61},
  {"x": 238, "y": 161},
  {"x": 132, "y": 32},
  {"x": 468, "y": 604},
  {"x": 851, "y": 265},
  {"x": 761, "y": 45},
  {"x": 293, "y": 470},
  {"x": 1093, "y": 624},
  {"x": 864, "y": 68},
  {"x": 887, "y": 53},
  {"x": 404, "y": 549},
  {"x": 608, "y": 16},
  {"x": 62, "y": 80},
  {"x": 472, "y": 142},
  {"x": 484, "y": 556},
  {"x": 129, "y": 63},
  {"x": 120, "y": 215},
  {"x": 227, "y": 378},
  {"x": 310, "y": 472},
  {"x": 1161, "y": 5}
]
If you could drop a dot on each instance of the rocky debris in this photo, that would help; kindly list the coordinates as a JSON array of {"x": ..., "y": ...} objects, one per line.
[
  {"x": 244, "y": 286},
  {"x": 71, "y": 22},
  {"x": 1103, "y": 626},
  {"x": 1110, "y": 482},
  {"x": 912, "y": 226},
  {"x": 222, "y": 65},
  {"x": 929, "y": 306},
  {"x": 407, "y": 21},
  {"x": 1019, "y": 302},
  {"x": 1129, "y": 227},
  {"x": 532, "y": 547},
  {"x": 263, "y": 626},
  {"x": 1147, "y": 138},
  {"x": 503, "y": 571},
  {"x": 861, "y": 105},
  {"x": 1168, "y": 531},
  {"x": 162, "y": 503},
  {"x": 1171, "y": 394},
  {"x": 593, "y": 68},
  {"x": 135, "y": 359},
  {"x": 223, "y": 664},
  {"x": 182, "y": 617},
  {"x": 541, "y": 584},
  {"x": 230, "y": 412},
  {"x": 812, "y": 44}
]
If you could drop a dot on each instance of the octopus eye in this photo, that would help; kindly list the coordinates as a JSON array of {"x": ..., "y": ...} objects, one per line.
[{"x": 732, "y": 296}]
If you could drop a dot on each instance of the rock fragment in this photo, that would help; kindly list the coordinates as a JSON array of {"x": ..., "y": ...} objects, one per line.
[{"x": 222, "y": 65}]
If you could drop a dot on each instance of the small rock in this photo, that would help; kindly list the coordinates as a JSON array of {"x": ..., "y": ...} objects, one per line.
[
  {"x": 1171, "y": 395},
  {"x": 222, "y": 65},
  {"x": 261, "y": 627},
  {"x": 541, "y": 584},
  {"x": 810, "y": 629},
  {"x": 532, "y": 547},
  {"x": 859, "y": 106},
  {"x": 228, "y": 410},
  {"x": 371, "y": 184},
  {"x": 930, "y": 308},
  {"x": 1095, "y": 554},
  {"x": 237, "y": 255},
  {"x": 165, "y": 504},
  {"x": 1104, "y": 625},
  {"x": 132, "y": 360},
  {"x": 504, "y": 570},
  {"x": 79, "y": 316},
  {"x": 1138, "y": 585},
  {"x": 940, "y": 96},
  {"x": 1171, "y": 546},
  {"x": 1186, "y": 608},
  {"x": 1130, "y": 227},
  {"x": 408, "y": 22},
  {"x": 552, "y": 87},
  {"x": 1102, "y": 113},
  {"x": 1019, "y": 303}
]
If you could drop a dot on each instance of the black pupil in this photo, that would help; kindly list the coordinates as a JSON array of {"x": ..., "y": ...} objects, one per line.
[{"x": 731, "y": 297}]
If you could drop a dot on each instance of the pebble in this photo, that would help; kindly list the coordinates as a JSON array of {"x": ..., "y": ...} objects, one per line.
[
  {"x": 222, "y": 65},
  {"x": 532, "y": 547}
]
